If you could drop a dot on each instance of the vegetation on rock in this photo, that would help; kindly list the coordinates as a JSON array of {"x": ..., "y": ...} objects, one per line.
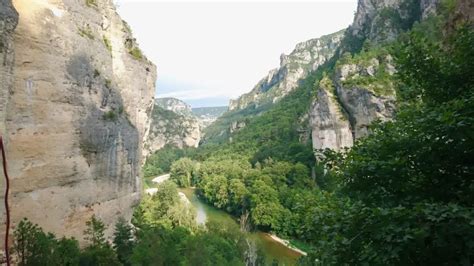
[{"x": 399, "y": 196}]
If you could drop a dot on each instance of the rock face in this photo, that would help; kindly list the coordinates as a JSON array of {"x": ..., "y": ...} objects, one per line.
[
  {"x": 329, "y": 122},
  {"x": 8, "y": 23},
  {"x": 172, "y": 124},
  {"x": 174, "y": 105},
  {"x": 365, "y": 102},
  {"x": 306, "y": 57},
  {"x": 361, "y": 90},
  {"x": 383, "y": 20},
  {"x": 77, "y": 114}
]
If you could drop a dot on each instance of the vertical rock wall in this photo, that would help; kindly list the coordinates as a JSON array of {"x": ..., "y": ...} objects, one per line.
[
  {"x": 329, "y": 122},
  {"x": 8, "y": 23},
  {"x": 77, "y": 115}
]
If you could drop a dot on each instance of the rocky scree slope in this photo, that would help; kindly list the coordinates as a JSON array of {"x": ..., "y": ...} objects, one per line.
[
  {"x": 172, "y": 124},
  {"x": 78, "y": 97}
]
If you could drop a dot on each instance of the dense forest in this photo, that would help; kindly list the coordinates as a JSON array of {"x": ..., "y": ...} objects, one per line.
[
  {"x": 403, "y": 195},
  {"x": 163, "y": 232}
]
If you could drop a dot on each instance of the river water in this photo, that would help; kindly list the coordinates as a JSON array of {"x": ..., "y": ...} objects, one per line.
[{"x": 271, "y": 248}]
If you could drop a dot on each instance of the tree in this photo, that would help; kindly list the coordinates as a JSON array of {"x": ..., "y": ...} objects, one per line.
[
  {"x": 215, "y": 190},
  {"x": 34, "y": 247},
  {"x": 182, "y": 171},
  {"x": 265, "y": 206},
  {"x": 178, "y": 246},
  {"x": 165, "y": 209},
  {"x": 238, "y": 195},
  {"x": 405, "y": 192},
  {"x": 99, "y": 251},
  {"x": 68, "y": 252},
  {"x": 123, "y": 241},
  {"x": 94, "y": 232}
]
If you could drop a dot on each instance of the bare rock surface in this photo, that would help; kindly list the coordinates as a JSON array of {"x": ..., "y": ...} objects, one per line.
[{"x": 78, "y": 112}]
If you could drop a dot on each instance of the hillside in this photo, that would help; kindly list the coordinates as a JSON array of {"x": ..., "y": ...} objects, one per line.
[
  {"x": 305, "y": 58},
  {"x": 294, "y": 68},
  {"x": 353, "y": 161},
  {"x": 172, "y": 124},
  {"x": 357, "y": 150},
  {"x": 207, "y": 115}
]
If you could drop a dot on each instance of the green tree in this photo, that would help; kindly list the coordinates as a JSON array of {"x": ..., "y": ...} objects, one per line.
[
  {"x": 405, "y": 194},
  {"x": 99, "y": 251},
  {"x": 238, "y": 195},
  {"x": 34, "y": 247},
  {"x": 164, "y": 208},
  {"x": 68, "y": 251},
  {"x": 94, "y": 232},
  {"x": 178, "y": 246},
  {"x": 123, "y": 241},
  {"x": 215, "y": 190},
  {"x": 182, "y": 171},
  {"x": 266, "y": 209}
]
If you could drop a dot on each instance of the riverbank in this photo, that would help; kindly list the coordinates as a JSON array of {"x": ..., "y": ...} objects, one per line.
[
  {"x": 287, "y": 244},
  {"x": 272, "y": 248}
]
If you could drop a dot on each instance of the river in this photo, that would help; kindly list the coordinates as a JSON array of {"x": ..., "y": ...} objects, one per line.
[{"x": 270, "y": 247}]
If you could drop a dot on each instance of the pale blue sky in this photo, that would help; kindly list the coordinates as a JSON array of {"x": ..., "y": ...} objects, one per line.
[{"x": 209, "y": 52}]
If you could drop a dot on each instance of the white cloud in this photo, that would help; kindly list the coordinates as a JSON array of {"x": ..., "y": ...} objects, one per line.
[{"x": 224, "y": 48}]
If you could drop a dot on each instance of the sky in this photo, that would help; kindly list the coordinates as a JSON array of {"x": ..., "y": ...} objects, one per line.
[{"x": 209, "y": 52}]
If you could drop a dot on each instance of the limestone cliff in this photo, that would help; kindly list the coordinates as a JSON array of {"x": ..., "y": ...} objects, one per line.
[
  {"x": 294, "y": 68},
  {"x": 306, "y": 57},
  {"x": 174, "y": 105},
  {"x": 361, "y": 89},
  {"x": 77, "y": 113},
  {"x": 331, "y": 127},
  {"x": 360, "y": 92},
  {"x": 382, "y": 21},
  {"x": 172, "y": 124},
  {"x": 8, "y": 23}
]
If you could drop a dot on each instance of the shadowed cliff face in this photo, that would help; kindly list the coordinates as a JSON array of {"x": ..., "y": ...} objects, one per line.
[
  {"x": 8, "y": 23},
  {"x": 105, "y": 135},
  {"x": 78, "y": 112}
]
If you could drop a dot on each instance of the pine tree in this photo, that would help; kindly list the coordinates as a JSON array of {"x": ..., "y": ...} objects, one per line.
[{"x": 123, "y": 241}]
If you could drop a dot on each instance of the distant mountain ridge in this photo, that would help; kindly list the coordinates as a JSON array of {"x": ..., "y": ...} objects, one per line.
[
  {"x": 174, "y": 105},
  {"x": 278, "y": 83},
  {"x": 305, "y": 58},
  {"x": 207, "y": 115},
  {"x": 175, "y": 123}
]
